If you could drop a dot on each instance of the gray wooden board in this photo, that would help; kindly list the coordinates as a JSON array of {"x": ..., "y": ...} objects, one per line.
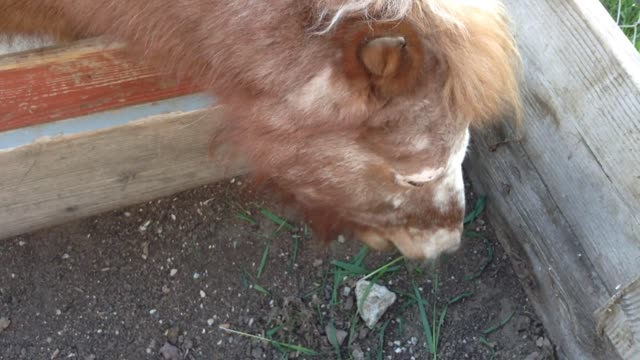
[
  {"x": 567, "y": 197},
  {"x": 68, "y": 177}
]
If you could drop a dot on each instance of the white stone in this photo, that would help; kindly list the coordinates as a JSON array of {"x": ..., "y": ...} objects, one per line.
[{"x": 376, "y": 303}]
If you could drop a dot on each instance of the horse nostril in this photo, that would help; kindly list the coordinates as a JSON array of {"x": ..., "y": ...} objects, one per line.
[{"x": 416, "y": 184}]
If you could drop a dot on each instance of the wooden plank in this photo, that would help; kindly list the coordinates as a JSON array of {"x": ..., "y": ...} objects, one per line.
[
  {"x": 566, "y": 199},
  {"x": 68, "y": 81},
  {"x": 68, "y": 177}
]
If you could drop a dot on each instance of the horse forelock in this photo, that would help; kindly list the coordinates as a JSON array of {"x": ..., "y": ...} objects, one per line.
[{"x": 439, "y": 13}]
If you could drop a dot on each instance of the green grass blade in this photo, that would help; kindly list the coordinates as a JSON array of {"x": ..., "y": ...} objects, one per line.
[
  {"x": 350, "y": 268},
  {"x": 334, "y": 338},
  {"x": 381, "y": 345},
  {"x": 488, "y": 259},
  {"x": 479, "y": 207},
  {"x": 486, "y": 343},
  {"x": 499, "y": 325},
  {"x": 423, "y": 316},
  {"x": 364, "y": 251},
  {"x": 276, "y": 219},
  {"x": 263, "y": 261},
  {"x": 261, "y": 289},
  {"x": 247, "y": 218},
  {"x": 298, "y": 348},
  {"x": 245, "y": 279},
  {"x": 460, "y": 297}
]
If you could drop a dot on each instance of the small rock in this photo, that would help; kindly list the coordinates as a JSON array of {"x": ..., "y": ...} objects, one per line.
[
  {"x": 172, "y": 335},
  {"x": 145, "y": 250},
  {"x": 210, "y": 322},
  {"x": 376, "y": 303},
  {"x": 346, "y": 291},
  {"x": 90, "y": 357},
  {"x": 341, "y": 239},
  {"x": 317, "y": 262},
  {"x": 173, "y": 272},
  {"x": 362, "y": 334},
  {"x": 340, "y": 335},
  {"x": 257, "y": 352},
  {"x": 540, "y": 342},
  {"x": 357, "y": 353},
  {"x": 523, "y": 323},
  {"x": 170, "y": 352},
  {"x": 4, "y": 324},
  {"x": 202, "y": 294},
  {"x": 533, "y": 356},
  {"x": 144, "y": 226},
  {"x": 348, "y": 304},
  {"x": 188, "y": 344}
]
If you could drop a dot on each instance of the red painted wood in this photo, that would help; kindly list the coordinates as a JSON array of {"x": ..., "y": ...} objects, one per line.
[{"x": 45, "y": 87}]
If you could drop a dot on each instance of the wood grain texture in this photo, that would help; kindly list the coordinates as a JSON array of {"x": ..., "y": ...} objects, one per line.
[
  {"x": 70, "y": 177},
  {"x": 566, "y": 199},
  {"x": 63, "y": 82}
]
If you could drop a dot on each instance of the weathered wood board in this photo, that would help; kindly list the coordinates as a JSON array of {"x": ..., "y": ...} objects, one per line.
[
  {"x": 84, "y": 129},
  {"x": 566, "y": 198},
  {"x": 72, "y": 176}
]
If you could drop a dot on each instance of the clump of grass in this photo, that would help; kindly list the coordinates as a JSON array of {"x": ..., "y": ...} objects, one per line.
[
  {"x": 626, "y": 13},
  {"x": 433, "y": 329}
]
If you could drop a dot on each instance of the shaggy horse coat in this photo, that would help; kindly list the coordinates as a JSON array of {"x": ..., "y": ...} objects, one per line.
[{"x": 358, "y": 110}]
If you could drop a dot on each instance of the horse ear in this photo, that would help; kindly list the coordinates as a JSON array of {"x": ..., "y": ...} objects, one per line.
[
  {"x": 383, "y": 56},
  {"x": 385, "y": 59}
]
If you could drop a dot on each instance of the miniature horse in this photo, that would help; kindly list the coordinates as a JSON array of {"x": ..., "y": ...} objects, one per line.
[{"x": 358, "y": 110}]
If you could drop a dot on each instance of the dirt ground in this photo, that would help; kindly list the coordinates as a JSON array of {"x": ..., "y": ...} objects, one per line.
[{"x": 158, "y": 281}]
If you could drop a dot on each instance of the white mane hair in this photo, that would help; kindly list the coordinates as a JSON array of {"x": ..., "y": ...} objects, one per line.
[{"x": 443, "y": 11}]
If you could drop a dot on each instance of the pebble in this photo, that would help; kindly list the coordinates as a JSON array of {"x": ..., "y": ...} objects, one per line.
[
  {"x": 341, "y": 335},
  {"x": 348, "y": 304},
  {"x": 317, "y": 262},
  {"x": 202, "y": 294},
  {"x": 376, "y": 303},
  {"x": 172, "y": 335},
  {"x": 4, "y": 324},
  {"x": 357, "y": 353},
  {"x": 523, "y": 323},
  {"x": 257, "y": 352},
  {"x": 533, "y": 356},
  {"x": 170, "y": 352},
  {"x": 346, "y": 291},
  {"x": 173, "y": 272},
  {"x": 210, "y": 322}
]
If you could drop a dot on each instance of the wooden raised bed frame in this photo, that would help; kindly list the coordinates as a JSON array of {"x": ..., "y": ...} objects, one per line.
[{"x": 564, "y": 198}]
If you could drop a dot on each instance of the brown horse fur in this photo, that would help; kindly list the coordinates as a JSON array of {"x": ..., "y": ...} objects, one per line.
[{"x": 358, "y": 110}]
